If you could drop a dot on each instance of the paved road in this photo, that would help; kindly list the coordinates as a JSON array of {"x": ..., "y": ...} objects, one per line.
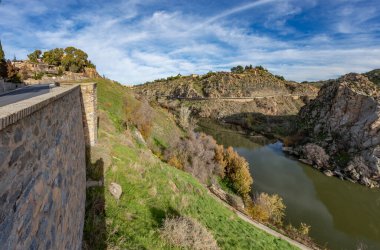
[
  {"x": 23, "y": 93},
  {"x": 236, "y": 98}
]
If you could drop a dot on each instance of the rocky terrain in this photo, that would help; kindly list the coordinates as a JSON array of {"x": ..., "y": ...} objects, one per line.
[
  {"x": 342, "y": 130},
  {"x": 35, "y": 73},
  {"x": 223, "y": 94}
]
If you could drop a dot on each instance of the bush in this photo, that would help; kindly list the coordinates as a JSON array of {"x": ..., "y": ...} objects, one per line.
[
  {"x": 141, "y": 115},
  {"x": 268, "y": 209},
  {"x": 300, "y": 234},
  {"x": 187, "y": 233},
  {"x": 196, "y": 154},
  {"x": 38, "y": 76},
  {"x": 184, "y": 117},
  {"x": 237, "y": 172}
]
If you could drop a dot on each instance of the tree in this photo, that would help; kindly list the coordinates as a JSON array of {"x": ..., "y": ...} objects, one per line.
[
  {"x": 33, "y": 57},
  {"x": 3, "y": 63},
  {"x": 12, "y": 72},
  {"x": 237, "y": 172},
  {"x": 53, "y": 57},
  {"x": 75, "y": 60},
  {"x": 2, "y": 54},
  {"x": 238, "y": 69}
]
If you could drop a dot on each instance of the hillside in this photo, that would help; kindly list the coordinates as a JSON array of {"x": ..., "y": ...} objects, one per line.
[
  {"x": 220, "y": 95},
  {"x": 250, "y": 83},
  {"x": 152, "y": 190}
]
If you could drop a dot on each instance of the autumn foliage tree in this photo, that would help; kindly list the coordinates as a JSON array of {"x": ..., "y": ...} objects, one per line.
[{"x": 237, "y": 172}]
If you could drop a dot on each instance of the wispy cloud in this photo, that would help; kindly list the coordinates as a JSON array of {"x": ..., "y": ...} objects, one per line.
[{"x": 134, "y": 41}]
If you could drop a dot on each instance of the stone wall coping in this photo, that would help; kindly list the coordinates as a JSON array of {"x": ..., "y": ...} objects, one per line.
[
  {"x": 77, "y": 83},
  {"x": 12, "y": 113}
]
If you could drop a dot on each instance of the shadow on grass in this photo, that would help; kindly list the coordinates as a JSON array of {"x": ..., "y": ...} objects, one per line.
[
  {"x": 159, "y": 215},
  {"x": 94, "y": 232}
]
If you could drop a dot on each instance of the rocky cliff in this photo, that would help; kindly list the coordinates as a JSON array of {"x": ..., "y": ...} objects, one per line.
[{"x": 342, "y": 126}]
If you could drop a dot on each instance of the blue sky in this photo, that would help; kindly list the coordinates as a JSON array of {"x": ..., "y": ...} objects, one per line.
[{"x": 136, "y": 41}]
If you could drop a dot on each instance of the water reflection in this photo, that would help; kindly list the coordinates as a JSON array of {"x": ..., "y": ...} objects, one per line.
[{"x": 341, "y": 214}]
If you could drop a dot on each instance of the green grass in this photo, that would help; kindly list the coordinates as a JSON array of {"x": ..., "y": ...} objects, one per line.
[{"x": 152, "y": 190}]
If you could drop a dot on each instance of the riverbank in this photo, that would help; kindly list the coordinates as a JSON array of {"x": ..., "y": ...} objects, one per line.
[{"x": 332, "y": 207}]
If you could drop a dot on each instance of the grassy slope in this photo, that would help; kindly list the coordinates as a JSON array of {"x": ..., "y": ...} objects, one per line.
[{"x": 152, "y": 190}]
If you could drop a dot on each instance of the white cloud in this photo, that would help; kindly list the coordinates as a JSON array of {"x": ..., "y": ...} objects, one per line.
[{"x": 133, "y": 49}]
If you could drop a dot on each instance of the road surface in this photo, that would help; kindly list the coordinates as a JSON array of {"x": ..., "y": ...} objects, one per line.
[{"x": 23, "y": 94}]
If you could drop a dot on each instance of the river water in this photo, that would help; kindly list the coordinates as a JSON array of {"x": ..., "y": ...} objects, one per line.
[{"x": 342, "y": 215}]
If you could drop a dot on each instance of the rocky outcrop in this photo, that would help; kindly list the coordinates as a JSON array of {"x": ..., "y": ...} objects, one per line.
[{"x": 344, "y": 121}]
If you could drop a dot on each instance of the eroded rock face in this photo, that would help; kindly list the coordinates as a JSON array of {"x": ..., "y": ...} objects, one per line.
[{"x": 345, "y": 121}]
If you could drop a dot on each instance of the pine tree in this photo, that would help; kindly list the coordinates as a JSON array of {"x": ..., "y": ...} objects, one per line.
[
  {"x": 3, "y": 63},
  {"x": 2, "y": 55}
]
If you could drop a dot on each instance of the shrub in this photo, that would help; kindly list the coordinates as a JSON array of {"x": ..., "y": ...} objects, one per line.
[
  {"x": 268, "y": 209},
  {"x": 316, "y": 154},
  {"x": 237, "y": 172},
  {"x": 38, "y": 76},
  {"x": 141, "y": 115},
  {"x": 219, "y": 158},
  {"x": 184, "y": 117},
  {"x": 196, "y": 153},
  {"x": 175, "y": 162},
  {"x": 187, "y": 233},
  {"x": 300, "y": 234}
]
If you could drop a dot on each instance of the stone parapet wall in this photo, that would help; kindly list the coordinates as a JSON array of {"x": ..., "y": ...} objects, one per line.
[
  {"x": 43, "y": 172},
  {"x": 89, "y": 108}
]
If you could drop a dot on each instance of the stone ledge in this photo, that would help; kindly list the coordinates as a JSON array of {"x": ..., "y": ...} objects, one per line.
[{"x": 14, "y": 112}]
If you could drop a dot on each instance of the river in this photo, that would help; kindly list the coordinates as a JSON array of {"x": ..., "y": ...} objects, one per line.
[{"x": 342, "y": 215}]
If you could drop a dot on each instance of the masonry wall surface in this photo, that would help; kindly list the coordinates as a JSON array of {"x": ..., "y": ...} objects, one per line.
[
  {"x": 89, "y": 110},
  {"x": 42, "y": 174}
]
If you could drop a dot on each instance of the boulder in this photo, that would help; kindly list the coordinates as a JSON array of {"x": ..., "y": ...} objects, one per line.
[{"x": 116, "y": 190}]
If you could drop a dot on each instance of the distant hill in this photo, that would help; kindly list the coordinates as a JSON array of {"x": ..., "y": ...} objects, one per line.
[
  {"x": 223, "y": 94},
  {"x": 250, "y": 83}
]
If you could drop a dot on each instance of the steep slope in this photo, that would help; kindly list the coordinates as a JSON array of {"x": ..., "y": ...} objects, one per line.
[
  {"x": 344, "y": 120},
  {"x": 152, "y": 190}
]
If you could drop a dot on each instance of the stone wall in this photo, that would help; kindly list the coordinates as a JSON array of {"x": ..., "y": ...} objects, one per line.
[
  {"x": 8, "y": 86},
  {"x": 42, "y": 172},
  {"x": 89, "y": 108}
]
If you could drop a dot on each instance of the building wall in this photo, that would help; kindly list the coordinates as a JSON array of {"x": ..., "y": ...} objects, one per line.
[{"x": 43, "y": 172}]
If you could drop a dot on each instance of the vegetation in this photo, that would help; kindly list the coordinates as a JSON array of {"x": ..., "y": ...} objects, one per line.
[
  {"x": 35, "y": 56},
  {"x": 12, "y": 73},
  {"x": 3, "y": 63},
  {"x": 152, "y": 190},
  {"x": 2, "y": 54},
  {"x": 187, "y": 233},
  {"x": 70, "y": 59},
  {"x": 54, "y": 57},
  {"x": 268, "y": 209}
]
